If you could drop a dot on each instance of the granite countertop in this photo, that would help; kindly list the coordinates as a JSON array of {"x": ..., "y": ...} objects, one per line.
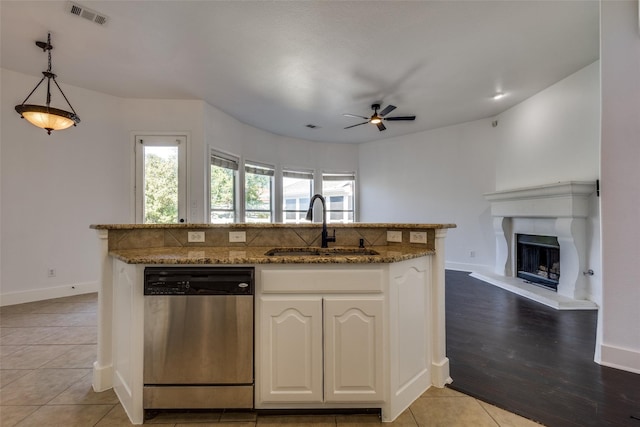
[
  {"x": 270, "y": 226},
  {"x": 256, "y": 255}
]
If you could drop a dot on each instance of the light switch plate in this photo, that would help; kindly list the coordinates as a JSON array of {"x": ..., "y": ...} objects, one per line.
[
  {"x": 418, "y": 237},
  {"x": 237, "y": 236},
  {"x": 195, "y": 236},
  {"x": 394, "y": 236}
]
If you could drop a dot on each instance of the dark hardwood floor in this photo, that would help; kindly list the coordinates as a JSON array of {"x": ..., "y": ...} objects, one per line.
[{"x": 533, "y": 360}]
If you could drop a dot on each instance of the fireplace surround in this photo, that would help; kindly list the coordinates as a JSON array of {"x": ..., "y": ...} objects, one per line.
[{"x": 558, "y": 210}]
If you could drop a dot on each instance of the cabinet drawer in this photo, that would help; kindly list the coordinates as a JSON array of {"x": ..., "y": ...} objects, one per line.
[{"x": 352, "y": 280}]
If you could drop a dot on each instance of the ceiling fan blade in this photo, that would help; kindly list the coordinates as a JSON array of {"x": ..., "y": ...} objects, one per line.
[
  {"x": 354, "y": 115},
  {"x": 389, "y": 108},
  {"x": 352, "y": 126},
  {"x": 381, "y": 127},
  {"x": 400, "y": 118}
]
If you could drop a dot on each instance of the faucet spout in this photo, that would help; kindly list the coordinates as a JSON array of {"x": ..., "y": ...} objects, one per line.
[{"x": 325, "y": 235}]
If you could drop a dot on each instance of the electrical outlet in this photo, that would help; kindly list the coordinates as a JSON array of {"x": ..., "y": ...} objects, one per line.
[
  {"x": 51, "y": 272},
  {"x": 195, "y": 236},
  {"x": 472, "y": 254},
  {"x": 418, "y": 237},
  {"x": 394, "y": 236},
  {"x": 237, "y": 236}
]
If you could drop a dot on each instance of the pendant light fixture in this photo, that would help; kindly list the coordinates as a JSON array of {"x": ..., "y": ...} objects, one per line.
[{"x": 45, "y": 116}]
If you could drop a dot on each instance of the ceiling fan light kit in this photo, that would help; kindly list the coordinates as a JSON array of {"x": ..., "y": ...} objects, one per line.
[
  {"x": 377, "y": 118},
  {"x": 45, "y": 116}
]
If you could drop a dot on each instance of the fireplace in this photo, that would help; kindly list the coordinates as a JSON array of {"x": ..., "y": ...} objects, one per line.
[
  {"x": 540, "y": 232},
  {"x": 538, "y": 260}
]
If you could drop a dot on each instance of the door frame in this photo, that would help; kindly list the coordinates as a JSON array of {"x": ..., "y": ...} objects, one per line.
[{"x": 184, "y": 174}]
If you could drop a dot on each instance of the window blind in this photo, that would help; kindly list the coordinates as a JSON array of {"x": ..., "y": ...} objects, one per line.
[
  {"x": 297, "y": 174},
  {"x": 259, "y": 170},
  {"x": 224, "y": 162},
  {"x": 339, "y": 176}
]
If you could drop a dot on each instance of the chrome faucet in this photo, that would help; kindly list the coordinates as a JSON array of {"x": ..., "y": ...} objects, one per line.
[{"x": 325, "y": 235}]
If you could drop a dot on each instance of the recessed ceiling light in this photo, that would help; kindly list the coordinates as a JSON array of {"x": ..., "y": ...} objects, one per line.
[{"x": 498, "y": 95}]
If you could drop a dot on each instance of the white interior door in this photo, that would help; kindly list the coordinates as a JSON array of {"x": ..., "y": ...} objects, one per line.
[{"x": 161, "y": 184}]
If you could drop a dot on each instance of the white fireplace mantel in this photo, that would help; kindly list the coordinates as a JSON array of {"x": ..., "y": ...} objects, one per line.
[
  {"x": 560, "y": 200},
  {"x": 561, "y": 210}
]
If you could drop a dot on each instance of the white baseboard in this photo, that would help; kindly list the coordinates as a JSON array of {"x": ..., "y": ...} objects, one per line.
[
  {"x": 462, "y": 266},
  {"x": 32, "y": 295},
  {"x": 440, "y": 373},
  {"x": 625, "y": 359},
  {"x": 102, "y": 377}
]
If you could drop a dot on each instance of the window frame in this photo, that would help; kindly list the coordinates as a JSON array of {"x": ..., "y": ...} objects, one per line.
[
  {"x": 270, "y": 171},
  {"x": 143, "y": 140},
  {"x": 277, "y": 211},
  {"x": 335, "y": 176},
  {"x": 301, "y": 210},
  {"x": 233, "y": 160}
]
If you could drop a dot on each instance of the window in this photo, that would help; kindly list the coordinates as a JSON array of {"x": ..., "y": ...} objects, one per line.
[
  {"x": 297, "y": 189},
  {"x": 160, "y": 179},
  {"x": 258, "y": 193},
  {"x": 252, "y": 192},
  {"x": 224, "y": 172},
  {"x": 338, "y": 190}
]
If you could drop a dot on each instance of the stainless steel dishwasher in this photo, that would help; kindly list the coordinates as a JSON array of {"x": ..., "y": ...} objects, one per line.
[{"x": 198, "y": 337}]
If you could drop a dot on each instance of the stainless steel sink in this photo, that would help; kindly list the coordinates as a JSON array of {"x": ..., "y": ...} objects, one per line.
[{"x": 320, "y": 252}]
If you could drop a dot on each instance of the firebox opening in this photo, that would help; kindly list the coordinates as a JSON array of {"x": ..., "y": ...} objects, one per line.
[{"x": 538, "y": 259}]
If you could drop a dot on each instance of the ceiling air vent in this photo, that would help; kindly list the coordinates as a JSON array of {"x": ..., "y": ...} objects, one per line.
[{"x": 86, "y": 13}]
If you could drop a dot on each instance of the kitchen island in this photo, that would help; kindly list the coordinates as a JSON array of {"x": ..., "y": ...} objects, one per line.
[{"x": 338, "y": 328}]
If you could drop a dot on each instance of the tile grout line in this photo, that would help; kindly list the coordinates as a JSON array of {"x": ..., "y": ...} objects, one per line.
[
  {"x": 106, "y": 413},
  {"x": 487, "y": 412},
  {"x": 415, "y": 420}
]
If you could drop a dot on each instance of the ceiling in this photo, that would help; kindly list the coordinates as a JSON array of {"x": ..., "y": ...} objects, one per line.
[{"x": 280, "y": 65}]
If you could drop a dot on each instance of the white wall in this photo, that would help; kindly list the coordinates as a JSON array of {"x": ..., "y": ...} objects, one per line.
[
  {"x": 553, "y": 136},
  {"x": 433, "y": 177},
  {"x": 620, "y": 169},
  {"x": 226, "y": 134},
  {"x": 53, "y": 187},
  {"x": 441, "y": 175},
  {"x": 184, "y": 117}
]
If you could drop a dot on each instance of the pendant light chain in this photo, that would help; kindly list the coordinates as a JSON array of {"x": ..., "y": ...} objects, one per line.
[
  {"x": 47, "y": 117},
  {"x": 49, "y": 49},
  {"x": 49, "y": 74},
  {"x": 53, "y": 76}
]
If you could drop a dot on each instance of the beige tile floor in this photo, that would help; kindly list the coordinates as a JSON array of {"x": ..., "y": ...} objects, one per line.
[{"x": 47, "y": 349}]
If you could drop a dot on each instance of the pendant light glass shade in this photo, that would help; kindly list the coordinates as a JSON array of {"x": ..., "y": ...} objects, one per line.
[
  {"x": 45, "y": 116},
  {"x": 48, "y": 118}
]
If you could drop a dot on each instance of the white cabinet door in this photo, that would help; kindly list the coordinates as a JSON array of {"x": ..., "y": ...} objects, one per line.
[
  {"x": 291, "y": 349},
  {"x": 353, "y": 349}
]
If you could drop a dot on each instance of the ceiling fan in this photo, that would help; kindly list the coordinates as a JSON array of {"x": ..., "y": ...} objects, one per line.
[{"x": 377, "y": 118}]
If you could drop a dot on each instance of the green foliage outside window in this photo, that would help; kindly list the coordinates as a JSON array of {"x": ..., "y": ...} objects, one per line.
[
  {"x": 257, "y": 198},
  {"x": 161, "y": 189},
  {"x": 222, "y": 190},
  {"x": 257, "y": 191},
  {"x": 257, "y": 195}
]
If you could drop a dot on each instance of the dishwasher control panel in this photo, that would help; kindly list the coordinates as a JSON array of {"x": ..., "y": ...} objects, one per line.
[
  {"x": 199, "y": 281},
  {"x": 160, "y": 287}
]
